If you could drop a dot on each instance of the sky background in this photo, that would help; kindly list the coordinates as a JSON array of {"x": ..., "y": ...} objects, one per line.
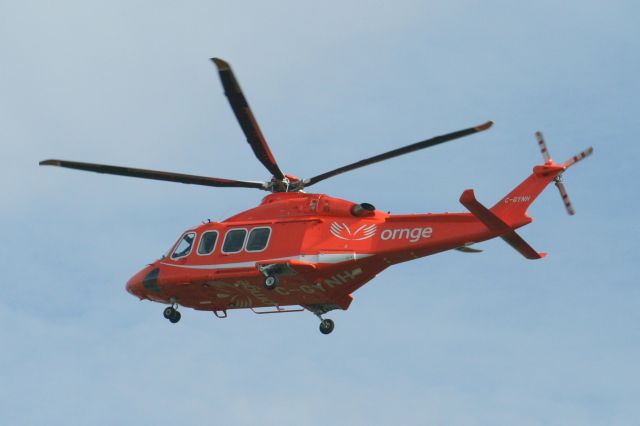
[{"x": 452, "y": 339}]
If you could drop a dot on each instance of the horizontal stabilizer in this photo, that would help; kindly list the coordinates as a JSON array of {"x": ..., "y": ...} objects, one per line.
[
  {"x": 486, "y": 216},
  {"x": 516, "y": 241},
  {"x": 494, "y": 223},
  {"x": 468, "y": 249}
]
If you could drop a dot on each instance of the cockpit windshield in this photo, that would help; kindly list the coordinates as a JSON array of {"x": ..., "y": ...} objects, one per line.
[{"x": 184, "y": 246}]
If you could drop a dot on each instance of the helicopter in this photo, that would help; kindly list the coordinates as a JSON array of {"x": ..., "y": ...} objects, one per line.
[{"x": 301, "y": 251}]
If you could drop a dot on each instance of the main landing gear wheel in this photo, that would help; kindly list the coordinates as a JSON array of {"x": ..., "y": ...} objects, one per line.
[
  {"x": 172, "y": 314},
  {"x": 271, "y": 282},
  {"x": 326, "y": 326},
  {"x": 175, "y": 318}
]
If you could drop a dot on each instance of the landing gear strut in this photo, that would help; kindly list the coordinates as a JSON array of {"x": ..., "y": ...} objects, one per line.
[
  {"x": 326, "y": 325},
  {"x": 172, "y": 314}
]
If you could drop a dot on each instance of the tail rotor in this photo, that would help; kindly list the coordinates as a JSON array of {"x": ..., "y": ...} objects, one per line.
[{"x": 558, "y": 180}]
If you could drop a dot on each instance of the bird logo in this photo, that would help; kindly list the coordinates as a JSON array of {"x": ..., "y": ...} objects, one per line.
[{"x": 342, "y": 231}]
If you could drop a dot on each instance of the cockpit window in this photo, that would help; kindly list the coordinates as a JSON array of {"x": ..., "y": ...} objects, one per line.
[
  {"x": 184, "y": 246},
  {"x": 258, "y": 239},
  {"x": 234, "y": 240},
  {"x": 207, "y": 242}
]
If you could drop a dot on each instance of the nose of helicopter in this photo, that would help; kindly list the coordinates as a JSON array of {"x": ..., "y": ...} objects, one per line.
[{"x": 142, "y": 281}]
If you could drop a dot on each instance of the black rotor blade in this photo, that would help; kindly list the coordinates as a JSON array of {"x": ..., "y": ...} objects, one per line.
[
  {"x": 154, "y": 174},
  {"x": 399, "y": 151},
  {"x": 246, "y": 119}
]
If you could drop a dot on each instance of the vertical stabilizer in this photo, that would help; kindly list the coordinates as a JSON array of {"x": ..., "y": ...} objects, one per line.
[{"x": 513, "y": 207}]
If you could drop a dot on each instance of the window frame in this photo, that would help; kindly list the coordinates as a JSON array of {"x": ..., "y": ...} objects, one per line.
[
  {"x": 214, "y": 245},
  {"x": 266, "y": 244},
  {"x": 175, "y": 247},
  {"x": 228, "y": 231}
]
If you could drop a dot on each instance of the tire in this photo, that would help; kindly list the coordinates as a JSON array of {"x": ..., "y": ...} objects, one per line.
[
  {"x": 168, "y": 312},
  {"x": 176, "y": 317},
  {"x": 326, "y": 326},
  {"x": 271, "y": 282}
]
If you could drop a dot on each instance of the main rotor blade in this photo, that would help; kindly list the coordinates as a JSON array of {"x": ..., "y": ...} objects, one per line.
[
  {"x": 154, "y": 174},
  {"x": 246, "y": 119},
  {"x": 400, "y": 151}
]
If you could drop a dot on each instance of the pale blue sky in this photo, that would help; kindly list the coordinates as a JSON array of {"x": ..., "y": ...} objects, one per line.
[{"x": 453, "y": 339}]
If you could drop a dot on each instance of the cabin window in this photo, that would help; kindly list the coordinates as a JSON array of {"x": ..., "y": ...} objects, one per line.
[
  {"x": 234, "y": 240},
  {"x": 207, "y": 243},
  {"x": 184, "y": 246},
  {"x": 258, "y": 239}
]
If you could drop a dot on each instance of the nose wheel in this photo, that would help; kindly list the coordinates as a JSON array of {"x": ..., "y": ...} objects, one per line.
[
  {"x": 271, "y": 282},
  {"x": 172, "y": 314}
]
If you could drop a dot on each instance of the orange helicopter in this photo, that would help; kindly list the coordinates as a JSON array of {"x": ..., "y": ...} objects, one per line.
[{"x": 299, "y": 250}]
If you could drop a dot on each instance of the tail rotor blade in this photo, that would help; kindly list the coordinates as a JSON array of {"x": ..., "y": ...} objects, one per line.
[
  {"x": 565, "y": 197},
  {"x": 543, "y": 147},
  {"x": 581, "y": 156}
]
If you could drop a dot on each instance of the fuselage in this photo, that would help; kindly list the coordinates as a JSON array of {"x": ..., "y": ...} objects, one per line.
[{"x": 325, "y": 249}]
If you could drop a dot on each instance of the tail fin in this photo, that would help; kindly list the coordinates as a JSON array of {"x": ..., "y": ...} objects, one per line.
[{"x": 513, "y": 207}]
